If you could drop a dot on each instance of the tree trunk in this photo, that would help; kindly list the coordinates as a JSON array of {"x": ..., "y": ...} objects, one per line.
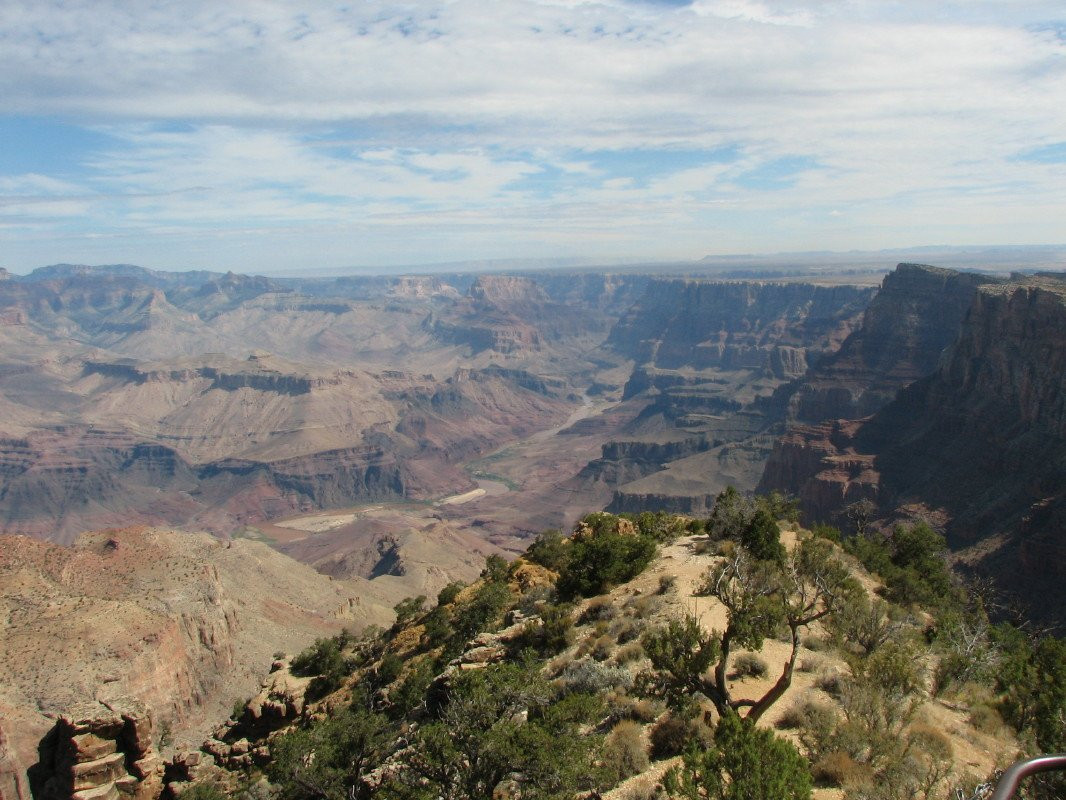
[{"x": 779, "y": 688}]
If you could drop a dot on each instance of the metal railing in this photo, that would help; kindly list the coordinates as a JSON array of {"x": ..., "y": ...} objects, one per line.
[{"x": 1008, "y": 783}]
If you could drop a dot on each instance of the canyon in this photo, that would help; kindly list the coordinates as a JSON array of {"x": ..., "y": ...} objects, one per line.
[{"x": 354, "y": 441}]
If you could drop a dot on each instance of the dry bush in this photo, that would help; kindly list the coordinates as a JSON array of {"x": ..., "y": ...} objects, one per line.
[
  {"x": 645, "y": 710},
  {"x": 840, "y": 769},
  {"x": 626, "y": 629},
  {"x": 624, "y": 753},
  {"x": 629, "y": 653},
  {"x": 672, "y": 733},
  {"x": 810, "y": 664},
  {"x": 593, "y": 677},
  {"x": 816, "y": 644},
  {"x": 644, "y": 606},
  {"x": 666, "y": 583},
  {"x": 621, "y": 706},
  {"x": 599, "y": 608},
  {"x": 602, "y": 648},
  {"x": 703, "y": 546},
  {"x": 794, "y": 717},
  {"x": 555, "y": 666},
  {"x": 832, "y": 683},
  {"x": 986, "y": 719},
  {"x": 749, "y": 665},
  {"x": 645, "y": 791}
]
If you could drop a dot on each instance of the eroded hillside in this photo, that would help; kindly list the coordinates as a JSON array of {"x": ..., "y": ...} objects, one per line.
[{"x": 182, "y": 622}]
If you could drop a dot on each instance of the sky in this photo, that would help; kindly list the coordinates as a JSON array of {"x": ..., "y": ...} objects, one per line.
[{"x": 276, "y": 136}]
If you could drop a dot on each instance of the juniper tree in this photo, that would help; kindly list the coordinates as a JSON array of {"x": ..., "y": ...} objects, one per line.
[{"x": 762, "y": 597}]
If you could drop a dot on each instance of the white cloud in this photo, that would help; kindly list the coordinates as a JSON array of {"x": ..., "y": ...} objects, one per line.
[{"x": 384, "y": 115}]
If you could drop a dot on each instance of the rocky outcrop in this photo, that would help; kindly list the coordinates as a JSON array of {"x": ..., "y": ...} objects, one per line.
[
  {"x": 511, "y": 314},
  {"x": 594, "y": 291},
  {"x": 820, "y": 464},
  {"x": 912, "y": 319},
  {"x": 506, "y": 290},
  {"x": 182, "y": 622},
  {"x": 12, "y": 316},
  {"x": 101, "y": 751}
]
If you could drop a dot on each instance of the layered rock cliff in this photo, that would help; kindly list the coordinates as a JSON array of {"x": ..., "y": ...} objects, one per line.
[
  {"x": 708, "y": 357},
  {"x": 215, "y": 443},
  {"x": 914, "y": 316},
  {"x": 773, "y": 328},
  {"x": 99, "y": 751},
  {"x": 509, "y": 314},
  {"x": 979, "y": 445}
]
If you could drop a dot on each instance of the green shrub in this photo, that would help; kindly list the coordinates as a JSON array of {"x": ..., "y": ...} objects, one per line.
[
  {"x": 1031, "y": 680},
  {"x": 321, "y": 657},
  {"x": 323, "y": 660},
  {"x": 388, "y": 670},
  {"x": 549, "y": 549},
  {"x": 331, "y": 756},
  {"x": 911, "y": 563},
  {"x": 603, "y": 558},
  {"x": 408, "y": 608},
  {"x": 437, "y": 626},
  {"x": 745, "y": 762},
  {"x": 239, "y": 706},
  {"x": 552, "y": 635},
  {"x": 662, "y": 526},
  {"x": 762, "y": 537},
  {"x": 410, "y": 693},
  {"x": 828, "y": 532},
  {"x": 204, "y": 791},
  {"x": 478, "y": 740},
  {"x": 450, "y": 592},
  {"x": 495, "y": 570},
  {"x": 482, "y": 611}
]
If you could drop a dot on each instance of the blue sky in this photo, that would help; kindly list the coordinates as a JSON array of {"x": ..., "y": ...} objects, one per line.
[{"x": 281, "y": 136}]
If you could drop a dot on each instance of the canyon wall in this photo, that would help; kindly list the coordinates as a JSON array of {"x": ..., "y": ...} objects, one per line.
[
  {"x": 708, "y": 357},
  {"x": 914, "y": 316},
  {"x": 978, "y": 446},
  {"x": 774, "y": 328}
]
